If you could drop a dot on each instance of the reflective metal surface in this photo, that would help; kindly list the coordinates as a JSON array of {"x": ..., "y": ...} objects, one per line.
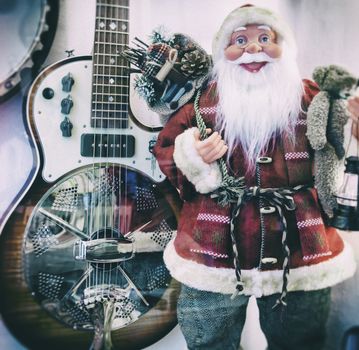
[{"x": 94, "y": 242}]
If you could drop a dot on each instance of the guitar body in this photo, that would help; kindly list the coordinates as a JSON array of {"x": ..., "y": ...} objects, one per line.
[
  {"x": 81, "y": 255},
  {"x": 35, "y": 327}
]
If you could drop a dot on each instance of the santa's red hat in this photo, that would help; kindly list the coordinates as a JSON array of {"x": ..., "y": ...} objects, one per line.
[{"x": 249, "y": 14}]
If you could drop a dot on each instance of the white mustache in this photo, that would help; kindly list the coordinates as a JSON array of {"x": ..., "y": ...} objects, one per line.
[{"x": 250, "y": 58}]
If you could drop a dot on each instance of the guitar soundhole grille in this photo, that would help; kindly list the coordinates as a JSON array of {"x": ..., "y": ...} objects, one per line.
[
  {"x": 66, "y": 199},
  {"x": 79, "y": 316},
  {"x": 157, "y": 278},
  {"x": 107, "y": 185},
  {"x": 42, "y": 240},
  {"x": 50, "y": 285},
  {"x": 163, "y": 234},
  {"x": 125, "y": 309},
  {"x": 145, "y": 199}
]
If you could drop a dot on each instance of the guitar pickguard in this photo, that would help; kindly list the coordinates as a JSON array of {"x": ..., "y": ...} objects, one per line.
[{"x": 63, "y": 154}]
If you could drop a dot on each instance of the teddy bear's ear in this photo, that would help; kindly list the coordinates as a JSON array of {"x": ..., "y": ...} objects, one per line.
[{"x": 319, "y": 75}]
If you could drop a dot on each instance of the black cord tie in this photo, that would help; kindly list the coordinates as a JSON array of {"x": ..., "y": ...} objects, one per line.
[{"x": 279, "y": 198}]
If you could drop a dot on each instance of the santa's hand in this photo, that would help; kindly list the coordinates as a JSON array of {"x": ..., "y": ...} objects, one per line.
[{"x": 211, "y": 148}]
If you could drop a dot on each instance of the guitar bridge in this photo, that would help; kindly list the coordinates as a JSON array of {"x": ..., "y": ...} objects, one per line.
[{"x": 104, "y": 250}]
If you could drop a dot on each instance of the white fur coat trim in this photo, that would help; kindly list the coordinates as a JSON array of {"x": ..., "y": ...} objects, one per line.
[
  {"x": 205, "y": 177},
  {"x": 260, "y": 283}
]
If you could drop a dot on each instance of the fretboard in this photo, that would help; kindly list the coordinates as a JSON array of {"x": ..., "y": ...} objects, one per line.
[{"x": 110, "y": 81}]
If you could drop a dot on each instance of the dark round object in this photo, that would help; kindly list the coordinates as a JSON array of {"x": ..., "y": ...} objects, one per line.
[
  {"x": 174, "y": 105},
  {"x": 48, "y": 93}
]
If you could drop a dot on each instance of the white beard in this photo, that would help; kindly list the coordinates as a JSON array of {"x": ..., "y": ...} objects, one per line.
[{"x": 254, "y": 107}]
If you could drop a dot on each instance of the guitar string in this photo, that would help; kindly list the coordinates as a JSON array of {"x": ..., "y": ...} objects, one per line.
[
  {"x": 106, "y": 114},
  {"x": 105, "y": 128},
  {"x": 124, "y": 104},
  {"x": 94, "y": 105},
  {"x": 113, "y": 188},
  {"x": 101, "y": 171},
  {"x": 117, "y": 211},
  {"x": 123, "y": 170}
]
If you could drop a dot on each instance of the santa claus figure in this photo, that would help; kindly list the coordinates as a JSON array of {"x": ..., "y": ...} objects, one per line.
[{"x": 274, "y": 242}]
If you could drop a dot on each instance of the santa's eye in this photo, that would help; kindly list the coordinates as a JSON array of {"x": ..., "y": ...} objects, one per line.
[
  {"x": 241, "y": 40},
  {"x": 264, "y": 39}
]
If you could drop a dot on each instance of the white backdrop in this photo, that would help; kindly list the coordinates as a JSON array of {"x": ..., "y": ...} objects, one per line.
[{"x": 326, "y": 32}]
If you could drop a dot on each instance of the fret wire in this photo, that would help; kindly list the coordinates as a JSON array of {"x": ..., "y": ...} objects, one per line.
[
  {"x": 108, "y": 118},
  {"x": 107, "y": 54},
  {"x": 107, "y": 65},
  {"x": 108, "y": 94},
  {"x": 107, "y": 110},
  {"x": 112, "y": 76},
  {"x": 112, "y": 118},
  {"x": 109, "y": 75},
  {"x": 110, "y": 65},
  {"x": 112, "y": 85},
  {"x": 105, "y": 43},
  {"x": 110, "y": 103},
  {"x": 113, "y": 5},
  {"x": 122, "y": 96},
  {"x": 111, "y": 31},
  {"x": 112, "y": 19}
]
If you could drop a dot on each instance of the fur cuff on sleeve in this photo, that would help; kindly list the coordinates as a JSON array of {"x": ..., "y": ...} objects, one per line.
[{"x": 205, "y": 177}]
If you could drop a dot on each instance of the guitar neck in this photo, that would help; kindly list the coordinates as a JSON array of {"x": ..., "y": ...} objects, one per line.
[{"x": 110, "y": 81}]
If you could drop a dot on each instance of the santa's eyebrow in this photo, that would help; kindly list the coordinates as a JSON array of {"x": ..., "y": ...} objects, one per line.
[
  {"x": 239, "y": 29},
  {"x": 264, "y": 27}
]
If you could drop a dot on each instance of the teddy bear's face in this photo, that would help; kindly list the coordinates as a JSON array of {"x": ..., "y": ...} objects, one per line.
[{"x": 335, "y": 80}]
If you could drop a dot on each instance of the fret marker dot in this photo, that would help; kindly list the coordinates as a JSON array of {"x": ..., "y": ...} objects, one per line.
[
  {"x": 113, "y": 26},
  {"x": 112, "y": 81},
  {"x": 102, "y": 24},
  {"x": 111, "y": 98},
  {"x": 124, "y": 27},
  {"x": 112, "y": 60}
]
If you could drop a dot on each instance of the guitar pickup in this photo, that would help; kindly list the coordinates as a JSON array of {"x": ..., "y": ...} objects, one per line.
[{"x": 107, "y": 145}]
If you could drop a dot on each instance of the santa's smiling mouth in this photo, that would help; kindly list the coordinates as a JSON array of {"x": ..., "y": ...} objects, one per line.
[{"x": 253, "y": 67}]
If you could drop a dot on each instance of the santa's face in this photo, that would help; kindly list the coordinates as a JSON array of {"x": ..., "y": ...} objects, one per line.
[
  {"x": 249, "y": 40},
  {"x": 259, "y": 89}
]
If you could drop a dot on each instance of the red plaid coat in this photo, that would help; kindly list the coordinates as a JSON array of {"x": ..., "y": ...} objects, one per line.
[{"x": 201, "y": 254}]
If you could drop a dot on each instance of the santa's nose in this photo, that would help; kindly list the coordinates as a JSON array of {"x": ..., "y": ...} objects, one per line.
[{"x": 253, "y": 48}]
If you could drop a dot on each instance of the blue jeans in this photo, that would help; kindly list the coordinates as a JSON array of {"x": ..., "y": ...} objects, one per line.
[{"x": 213, "y": 321}]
